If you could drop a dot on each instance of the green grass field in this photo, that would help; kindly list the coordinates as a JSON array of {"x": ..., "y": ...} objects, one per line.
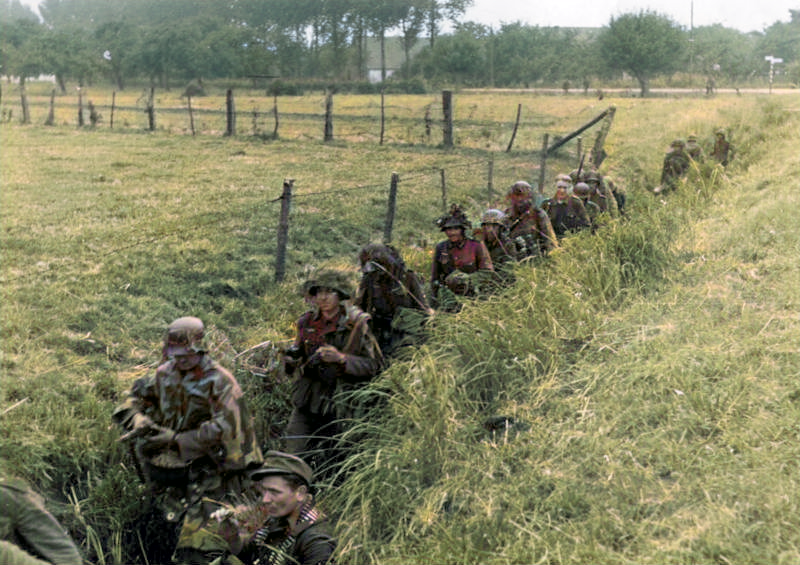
[{"x": 653, "y": 367}]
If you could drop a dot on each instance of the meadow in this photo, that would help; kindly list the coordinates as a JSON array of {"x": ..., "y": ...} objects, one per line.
[{"x": 650, "y": 371}]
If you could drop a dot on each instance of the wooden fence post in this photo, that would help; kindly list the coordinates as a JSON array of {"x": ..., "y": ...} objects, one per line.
[
  {"x": 275, "y": 113},
  {"x": 113, "y": 106},
  {"x": 387, "y": 228},
  {"x": 490, "y": 182},
  {"x": 80, "y": 107},
  {"x": 230, "y": 112},
  {"x": 444, "y": 190},
  {"x": 580, "y": 150},
  {"x": 543, "y": 164},
  {"x": 283, "y": 230},
  {"x": 23, "y": 98},
  {"x": 329, "y": 115},
  {"x": 516, "y": 126},
  {"x": 447, "y": 110},
  {"x": 51, "y": 116},
  {"x": 191, "y": 114},
  {"x": 151, "y": 110},
  {"x": 383, "y": 113}
]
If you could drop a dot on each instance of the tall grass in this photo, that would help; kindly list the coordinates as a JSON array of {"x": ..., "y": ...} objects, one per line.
[{"x": 648, "y": 373}]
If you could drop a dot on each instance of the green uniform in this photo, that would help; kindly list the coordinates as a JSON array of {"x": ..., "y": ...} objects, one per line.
[{"x": 30, "y": 534}]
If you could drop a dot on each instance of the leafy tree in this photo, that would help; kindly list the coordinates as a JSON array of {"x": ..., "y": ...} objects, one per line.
[
  {"x": 718, "y": 51},
  {"x": 119, "y": 44},
  {"x": 438, "y": 11},
  {"x": 644, "y": 44},
  {"x": 460, "y": 58}
]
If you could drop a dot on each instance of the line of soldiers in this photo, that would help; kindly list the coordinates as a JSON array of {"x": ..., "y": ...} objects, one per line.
[
  {"x": 529, "y": 228},
  {"x": 682, "y": 154}
]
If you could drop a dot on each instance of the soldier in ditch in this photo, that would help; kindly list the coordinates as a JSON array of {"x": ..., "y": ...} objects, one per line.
[
  {"x": 192, "y": 435},
  {"x": 393, "y": 296},
  {"x": 527, "y": 223},
  {"x": 675, "y": 167},
  {"x": 334, "y": 353}
]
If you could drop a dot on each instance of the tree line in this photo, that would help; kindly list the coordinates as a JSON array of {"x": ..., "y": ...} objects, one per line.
[{"x": 171, "y": 42}]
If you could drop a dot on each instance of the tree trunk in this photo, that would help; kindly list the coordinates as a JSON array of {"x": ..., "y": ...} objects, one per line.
[
  {"x": 644, "y": 86},
  {"x": 23, "y": 96},
  {"x": 383, "y": 54}
]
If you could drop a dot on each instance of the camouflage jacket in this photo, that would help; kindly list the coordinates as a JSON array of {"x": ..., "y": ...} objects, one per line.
[
  {"x": 205, "y": 407},
  {"x": 467, "y": 256},
  {"x": 533, "y": 225},
  {"x": 318, "y": 381},
  {"x": 25, "y": 523},
  {"x": 566, "y": 216},
  {"x": 676, "y": 165},
  {"x": 502, "y": 251}
]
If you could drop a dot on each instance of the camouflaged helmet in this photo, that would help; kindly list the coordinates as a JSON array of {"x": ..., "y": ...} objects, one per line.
[
  {"x": 581, "y": 190},
  {"x": 692, "y": 137},
  {"x": 720, "y": 132},
  {"x": 185, "y": 336},
  {"x": 591, "y": 176},
  {"x": 335, "y": 280},
  {"x": 575, "y": 176},
  {"x": 678, "y": 143},
  {"x": 520, "y": 188},
  {"x": 493, "y": 216},
  {"x": 566, "y": 178},
  {"x": 455, "y": 219}
]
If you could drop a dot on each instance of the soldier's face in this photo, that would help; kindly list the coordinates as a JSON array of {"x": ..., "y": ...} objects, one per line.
[
  {"x": 184, "y": 361},
  {"x": 327, "y": 299},
  {"x": 490, "y": 231},
  {"x": 454, "y": 234},
  {"x": 279, "y": 497}
]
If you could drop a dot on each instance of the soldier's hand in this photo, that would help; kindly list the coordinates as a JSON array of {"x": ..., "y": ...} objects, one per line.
[
  {"x": 140, "y": 421},
  {"x": 330, "y": 354},
  {"x": 165, "y": 437}
]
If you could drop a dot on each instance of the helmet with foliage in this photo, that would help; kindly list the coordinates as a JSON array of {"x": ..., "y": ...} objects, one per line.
[
  {"x": 591, "y": 176},
  {"x": 456, "y": 218},
  {"x": 721, "y": 132},
  {"x": 520, "y": 188},
  {"x": 678, "y": 143},
  {"x": 581, "y": 190},
  {"x": 692, "y": 137},
  {"x": 493, "y": 216},
  {"x": 337, "y": 281},
  {"x": 575, "y": 175},
  {"x": 184, "y": 336}
]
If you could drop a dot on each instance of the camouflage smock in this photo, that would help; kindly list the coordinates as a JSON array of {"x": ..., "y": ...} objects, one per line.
[
  {"x": 467, "y": 256},
  {"x": 532, "y": 225}
]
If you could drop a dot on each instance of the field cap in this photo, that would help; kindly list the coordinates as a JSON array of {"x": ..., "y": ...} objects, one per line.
[{"x": 280, "y": 463}]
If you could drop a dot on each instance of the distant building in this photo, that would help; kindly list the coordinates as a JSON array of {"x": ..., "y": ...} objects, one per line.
[{"x": 395, "y": 56}]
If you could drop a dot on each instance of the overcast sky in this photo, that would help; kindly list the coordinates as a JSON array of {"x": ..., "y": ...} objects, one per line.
[{"x": 744, "y": 15}]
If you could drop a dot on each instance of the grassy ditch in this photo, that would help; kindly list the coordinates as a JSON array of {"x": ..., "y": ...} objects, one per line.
[{"x": 650, "y": 371}]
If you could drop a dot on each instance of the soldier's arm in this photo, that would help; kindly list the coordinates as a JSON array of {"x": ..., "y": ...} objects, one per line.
[
  {"x": 40, "y": 530},
  {"x": 483, "y": 258}
]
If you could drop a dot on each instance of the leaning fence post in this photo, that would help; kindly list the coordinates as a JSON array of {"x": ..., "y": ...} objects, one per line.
[
  {"x": 387, "y": 229},
  {"x": 283, "y": 230},
  {"x": 230, "y": 111},
  {"x": 543, "y": 164},
  {"x": 516, "y": 126},
  {"x": 447, "y": 108},
  {"x": 444, "y": 190}
]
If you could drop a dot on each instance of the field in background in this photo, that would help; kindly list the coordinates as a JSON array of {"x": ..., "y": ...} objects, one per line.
[{"x": 655, "y": 365}]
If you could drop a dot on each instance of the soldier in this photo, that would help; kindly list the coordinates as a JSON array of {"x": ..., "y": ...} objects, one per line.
[
  {"x": 601, "y": 194},
  {"x": 334, "y": 351},
  {"x": 284, "y": 525},
  {"x": 502, "y": 250},
  {"x": 528, "y": 223},
  {"x": 192, "y": 433},
  {"x": 693, "y": 149},
  {"x": 29, "y": 534},
  {"x": 566, "y": 212},
  {"x": 392, "y": 295},
  {"x": 460, "y": 263},
  {"x": 676, "y": 165},
  {"x": 593, "y": 211},
  {"x": 723, "y": 152}
]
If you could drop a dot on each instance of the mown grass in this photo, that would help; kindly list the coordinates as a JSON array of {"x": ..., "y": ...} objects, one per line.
[{"x": 653, "y": 368}]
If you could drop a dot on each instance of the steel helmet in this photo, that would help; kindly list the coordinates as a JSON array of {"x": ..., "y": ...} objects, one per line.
[
  {"x": 185, "y": 336},
  {"x": 520, "y": 188},
  {"x": 581, "y": 190},
  {"x": 493, "y": 216},
  {"x": 591, "y": 176},
  {"x": 455, "y": 219},
  {"x": 335, "y": 280}
]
